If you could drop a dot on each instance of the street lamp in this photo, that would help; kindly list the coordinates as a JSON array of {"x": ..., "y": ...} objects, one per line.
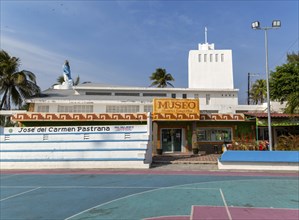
[{"x": 256, "y": 26}]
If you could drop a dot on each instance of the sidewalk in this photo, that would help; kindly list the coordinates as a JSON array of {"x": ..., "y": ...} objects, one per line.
[
  {"x": 185, "y": 162},
  {"x": 185, "y": 159}
]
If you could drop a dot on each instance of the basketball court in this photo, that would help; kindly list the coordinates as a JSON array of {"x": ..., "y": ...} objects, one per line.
[{"x": 148, "y": 194}]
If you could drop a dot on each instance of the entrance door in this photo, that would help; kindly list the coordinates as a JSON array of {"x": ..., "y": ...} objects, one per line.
[{"x": 171, "y": 140}]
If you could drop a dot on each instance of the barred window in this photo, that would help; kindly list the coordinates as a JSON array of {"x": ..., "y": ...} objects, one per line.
[
  {"x": 155, "y": 94},
  {"x": 122, "y": 108},
  {"x": 43, "y": 108},
  {"x": 148, "y": 108},
  {"x": 214, "y": 134},
  {"x": 75, "y": 108},
  {"x": 126, "y": 94},
  {"x": 99, "y": 93}
]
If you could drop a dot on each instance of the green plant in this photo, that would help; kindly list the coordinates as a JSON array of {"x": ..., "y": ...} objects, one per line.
[
  {"x": 239, "y": 144},
  {"x": 288, "y": 143}
]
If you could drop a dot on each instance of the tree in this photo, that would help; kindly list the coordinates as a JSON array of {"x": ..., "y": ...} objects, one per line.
[
  {"x": 15, "y": 85},
  {"x": 284, "y": 83},
  {"x": 161, "y": 78},
  {"x": 258, "y": 91}
]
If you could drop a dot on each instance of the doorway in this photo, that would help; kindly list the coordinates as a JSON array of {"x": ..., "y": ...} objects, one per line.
[{"x": 171, "y": 140}]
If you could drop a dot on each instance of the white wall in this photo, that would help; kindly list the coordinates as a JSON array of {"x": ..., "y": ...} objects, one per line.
[
  {"x": 210, "y": 74},
  {"x": 119, "y": 146}
]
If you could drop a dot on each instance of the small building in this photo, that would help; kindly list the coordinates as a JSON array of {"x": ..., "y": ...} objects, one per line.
[{"x": 281, "y": 124}]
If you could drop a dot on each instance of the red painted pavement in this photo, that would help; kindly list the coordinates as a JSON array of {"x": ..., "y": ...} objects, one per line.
[
  {"x": 169, "y": 218},
  {"x": 208, "y": 212},
  {"x": 146, "y": 172},
  {"x": 264, "y": 213},
  {"x": 242, "y": 213}
]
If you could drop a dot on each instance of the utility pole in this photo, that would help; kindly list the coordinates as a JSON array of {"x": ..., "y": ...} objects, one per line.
[{"x": 256, "y": 26}]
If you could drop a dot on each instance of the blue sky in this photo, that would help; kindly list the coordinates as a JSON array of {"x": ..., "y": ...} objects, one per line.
[{"x": 123, "y": 42}]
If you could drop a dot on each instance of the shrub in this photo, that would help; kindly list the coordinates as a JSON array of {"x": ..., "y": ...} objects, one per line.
[
  {"x": 239, "y": 144},
  {"x": 288, "y": 142}
]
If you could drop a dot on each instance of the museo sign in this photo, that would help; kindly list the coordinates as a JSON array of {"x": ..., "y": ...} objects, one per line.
[{"x": 176, "y": 108}]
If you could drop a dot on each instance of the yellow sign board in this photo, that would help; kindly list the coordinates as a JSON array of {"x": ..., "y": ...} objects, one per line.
[{"x": 188, "y": 108}]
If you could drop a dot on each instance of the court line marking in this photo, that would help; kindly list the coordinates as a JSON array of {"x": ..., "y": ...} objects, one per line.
[
  {"x": 198, "y": 183},
  {"x": 167, "y": 216},
  {"x": 214, "y": 181},
  {"x": 106, "y": 187},
  {"x": 111, "y": 201},
  {"x": 250, "y": 178},
  {"x": 135, "y": 194},
  {"x": 6, "y": 177},
  {"x": 225, "y": 204},
  {"x": 19, "y": 194}
]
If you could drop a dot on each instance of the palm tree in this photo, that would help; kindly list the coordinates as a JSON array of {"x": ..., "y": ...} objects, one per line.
[
  {"x": 15, "y": 85},
  {"x": 258, "y": 91},
  {"x": 161, "y": 78},
  {"x": 292, "y": 106}
]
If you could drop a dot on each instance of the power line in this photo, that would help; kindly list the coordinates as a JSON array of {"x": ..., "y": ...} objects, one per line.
[{"x": 283, "y": 55}]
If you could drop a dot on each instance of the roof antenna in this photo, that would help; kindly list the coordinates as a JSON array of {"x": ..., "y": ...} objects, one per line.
[{"x": 206, "y": 35}]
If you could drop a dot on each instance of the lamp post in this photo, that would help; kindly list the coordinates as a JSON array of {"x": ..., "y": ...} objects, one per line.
[{"x": 256, "y": 26}]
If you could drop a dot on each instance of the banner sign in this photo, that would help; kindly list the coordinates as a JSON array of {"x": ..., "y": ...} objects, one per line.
[
  {"x": 173, "y": 106},
  {"x": 74, "y": 129},
  {"x": 168, "y": 109}
]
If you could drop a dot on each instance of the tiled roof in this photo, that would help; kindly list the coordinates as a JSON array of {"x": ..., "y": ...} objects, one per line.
[{"x": 273, "y": 115}]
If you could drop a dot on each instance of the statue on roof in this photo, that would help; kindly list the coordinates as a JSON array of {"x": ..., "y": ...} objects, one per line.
[{"x": 67, "y": 74}]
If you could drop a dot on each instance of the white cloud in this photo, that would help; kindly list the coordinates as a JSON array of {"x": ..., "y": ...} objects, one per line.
[{"x": 47, "y": 65}]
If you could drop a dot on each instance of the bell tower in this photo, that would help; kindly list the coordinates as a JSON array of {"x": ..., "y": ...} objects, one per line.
[{"x": 209, "y": 68}]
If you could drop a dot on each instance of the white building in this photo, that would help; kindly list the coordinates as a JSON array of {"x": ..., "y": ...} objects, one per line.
[
  {"x": 210, "y": 69},
  {"x": 210, "y": 76}
]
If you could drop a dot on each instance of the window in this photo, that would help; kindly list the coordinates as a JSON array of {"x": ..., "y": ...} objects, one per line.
[
  {"x": 98, "y": 93},
  {"x": 199, "y": 57},
  {"x": 75, "y": 108},
  {"x": 148, "y": 108},
  {"x": 214, "y": 134},
  {"x": 211, "y": 57},
  {"x": 155, "y": 94},
  {"x": 173, "y": 95},
  {"x": 43, "y": 108},
  {"x": 208, "y": 99},
  {"x": 216, "y": 57},
  {"x": 184, "y": 96},
  {"x": 263, "y": 134},
  {"x": 222, "y": 57},
  {"x": 209, "y": 112},
  {"x": 205, "y": 57},
  {"x": 126, "y": 94},
  {"x": 122, "y": 108}
]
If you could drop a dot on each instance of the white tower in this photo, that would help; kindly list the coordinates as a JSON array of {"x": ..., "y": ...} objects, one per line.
[{"x": 209, "y": 68}]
